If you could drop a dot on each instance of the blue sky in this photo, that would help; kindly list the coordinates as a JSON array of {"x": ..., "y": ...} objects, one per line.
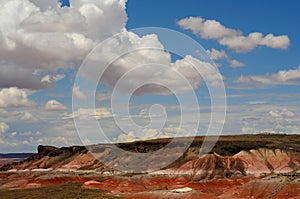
[{"x": 255, "y": 46}]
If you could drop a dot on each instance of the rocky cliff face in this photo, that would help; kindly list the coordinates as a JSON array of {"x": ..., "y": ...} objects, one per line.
[
  {"x": 268, "y": 161},
  {"x": 62, "y": 159},
  {"x": 255, "y": 162},
  {"x": 254, "y": 167}
]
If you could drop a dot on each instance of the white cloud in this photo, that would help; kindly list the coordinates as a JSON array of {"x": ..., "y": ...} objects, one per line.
[
  {"x": 221, "y": 54},
  {"x": 146, "y": 134},
  {"x": 13, "y": 134},
  {"x": 260, "y": 117},
  {"x": 78, "y": 94},
  {"x": 149, "y": 133},
  {"x": 256, "y": 102},
  {"x": 126, "y": 137},
  {"x": 207, "y": 29},
  {"x": 25, "y": 116},
  {"x": 280, "y": 78},
  {"x": 42, "y": 35},
  {"x": 58, "y": 141},
  {"x": 53, "y": 105},
  {"x": 58, "y": 77},
  {"x": 12, "y": 116},
  {"x": 216, "y": 54},
  {"x": 3, "y": 127},
  {"x": 283, "y": 113},
  {"x": 103, "y": 18},
  {"x": 84, "y": 113},
  {"x": 249, "y": 130},
  {"x": 233, "y": 39},
  {"x": 46, "y": 78},
  {"x": 103, "y": 96},
  {"x": 52, "y": 78},
  {"x": 14, "y": 97},
  {"x": 161, "y": 69},
  {"x": 253, "y": 40},
  {"x": 235, "y": 63}
]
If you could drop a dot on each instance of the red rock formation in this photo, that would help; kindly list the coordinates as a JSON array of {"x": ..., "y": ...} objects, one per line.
[
  {"x": 253, "y": 173},
  {"x": 292, "y": 191},
  {"x": 261, "y": 161},
  {"x": 212, "y": 166},
  {"x": 253, "y": 163}
]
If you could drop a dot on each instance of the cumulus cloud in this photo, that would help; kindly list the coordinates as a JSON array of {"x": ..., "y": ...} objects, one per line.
[
  {"x": 233, "y": 39},
  {"x": 78, "y": 94},
  {"x": 38, "y": 35},
  {"x": 126, "y": 137},
  {"x": 53, "y": 105},
  {"x": 207, "y": 29},
  {"x": 43, "y": 36},
  {"x": 283, "y": 113},
  {"x": 14, "y": 97},
  {"x": 52, "y": 78},
  {"x": 253, "y": 40},
  {"x": 24, "y": 116},
  {"x": 13, "y": 134},
  {"x": 146, "y": 134},
  {"x": 281, "y": 120},
  {"x": 85, "y": 113},
  {"x": 103, "y": 96},
  {"x": 3, "y": 127},
  {"x": 279, "y": 78},
  {"x": 160, "y": 70},
  {"x": 217, "y": 54},
  {"x": 235, "y": 63},
  {"x": 267, "y": 116},
  {"x": 150, "y": 133},
  {"x": 221, "y": 54}
]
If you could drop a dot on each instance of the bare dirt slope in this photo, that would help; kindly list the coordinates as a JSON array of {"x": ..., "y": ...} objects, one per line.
[{"x": 244, "y": 166}]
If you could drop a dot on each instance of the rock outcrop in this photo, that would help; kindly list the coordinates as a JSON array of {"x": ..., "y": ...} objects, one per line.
[
  {"x": 255, "y": 162},
  {"x": 65, "y": 158},
  {"x": 272, "y": 171}
]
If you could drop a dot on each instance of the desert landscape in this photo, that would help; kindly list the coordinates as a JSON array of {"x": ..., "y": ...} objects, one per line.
[
  {"x": 156, "y": 99},
  {"x": 244, "y": 166}
]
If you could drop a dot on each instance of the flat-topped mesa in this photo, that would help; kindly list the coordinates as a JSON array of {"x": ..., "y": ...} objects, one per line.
[
  {"x": 54, "y": 151},
  {"x": 255, "y": 162},
  {"x": 45, "y": 150},
  {"x": 232, "y": 156},
  {"x": 53, "y": 157}
]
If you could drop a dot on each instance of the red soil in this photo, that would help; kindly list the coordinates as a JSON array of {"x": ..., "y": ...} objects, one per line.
[
  {"x": 151, "y": 186},
  {"x": 292, "y": 190},
  {"x": 169, "y": 195}
]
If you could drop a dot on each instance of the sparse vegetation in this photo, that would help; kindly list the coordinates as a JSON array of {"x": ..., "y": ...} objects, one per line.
[{"x": 65, "y": 191}]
